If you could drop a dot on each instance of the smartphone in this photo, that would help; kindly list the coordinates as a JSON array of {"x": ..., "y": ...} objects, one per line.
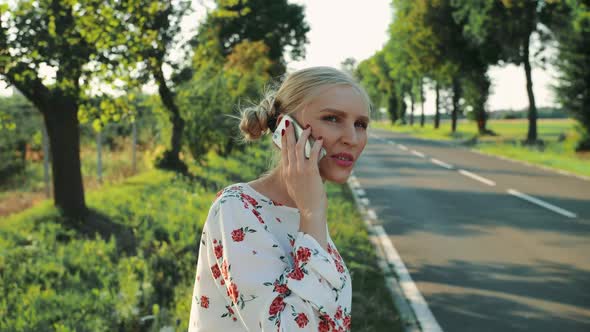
[{"x": 276, "y": 136}]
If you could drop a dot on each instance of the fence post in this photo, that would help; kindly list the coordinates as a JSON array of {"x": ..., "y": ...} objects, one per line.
[
  {"x": 99, "y": 155},
  {"x": 133, "y": 161}
]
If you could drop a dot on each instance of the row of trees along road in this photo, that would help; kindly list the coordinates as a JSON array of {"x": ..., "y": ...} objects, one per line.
[
  {"x": 450, "y": 44},
  {"x": 125, "y": 44}
]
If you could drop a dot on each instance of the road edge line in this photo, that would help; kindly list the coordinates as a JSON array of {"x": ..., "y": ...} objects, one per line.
[{"x": 407, "y": 311}]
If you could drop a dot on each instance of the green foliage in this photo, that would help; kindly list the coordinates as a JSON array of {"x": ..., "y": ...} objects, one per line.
[
  {"x": 572, "y": 30},
  {"x": 277, "y": 23},
  {"x": 19, "y": 121},
  {"x": 374, "y": 75},
  {"x": 220, "y": 84}
]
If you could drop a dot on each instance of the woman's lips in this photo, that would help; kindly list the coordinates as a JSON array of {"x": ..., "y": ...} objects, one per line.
[
  {"x": 343, "y": 159},
  {"x": 343, "y": 163}
]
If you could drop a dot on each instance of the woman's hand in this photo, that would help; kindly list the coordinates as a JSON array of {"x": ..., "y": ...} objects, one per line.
[{"x": 304, "y": 183}]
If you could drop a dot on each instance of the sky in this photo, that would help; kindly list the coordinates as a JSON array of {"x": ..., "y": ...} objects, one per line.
[{"x": 358, "y": 28}]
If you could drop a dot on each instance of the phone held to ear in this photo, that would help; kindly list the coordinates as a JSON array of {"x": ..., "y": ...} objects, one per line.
[{"x": 276, "y": 136}]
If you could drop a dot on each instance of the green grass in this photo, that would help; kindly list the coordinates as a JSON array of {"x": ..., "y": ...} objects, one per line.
[
  {"x": 555, "y": 153},
  {"x": 136, "y": 255}
]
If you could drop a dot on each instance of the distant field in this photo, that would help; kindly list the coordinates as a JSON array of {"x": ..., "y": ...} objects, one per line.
[{"x": 556, "y": 153}]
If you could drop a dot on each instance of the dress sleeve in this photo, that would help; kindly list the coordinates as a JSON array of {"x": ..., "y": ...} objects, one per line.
[{"x": 266, "y": 288}]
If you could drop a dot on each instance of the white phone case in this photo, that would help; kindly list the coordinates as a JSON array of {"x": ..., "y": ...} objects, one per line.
[{"x": 276, "y": 136}]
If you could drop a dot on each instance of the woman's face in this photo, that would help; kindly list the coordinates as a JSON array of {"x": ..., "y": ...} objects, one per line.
[{"x": 340, "y": 116}]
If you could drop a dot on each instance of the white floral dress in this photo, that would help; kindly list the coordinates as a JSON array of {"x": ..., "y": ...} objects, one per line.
[{"x": 257, "y": 272}]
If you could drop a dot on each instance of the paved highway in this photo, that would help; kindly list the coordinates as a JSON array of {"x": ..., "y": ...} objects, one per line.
[{"x": 491, "y": 245}]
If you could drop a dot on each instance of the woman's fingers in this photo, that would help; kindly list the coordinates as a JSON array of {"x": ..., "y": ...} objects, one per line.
[
  {"x": 300, "y": 146},
  {"x": 290, "y": 138},
  {"x": 284, "y": 149},
  {"x": 314, "y": 155}
]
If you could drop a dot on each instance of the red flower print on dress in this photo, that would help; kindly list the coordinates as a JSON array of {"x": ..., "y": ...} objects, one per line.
[
  {"x": 204, "y": 302},
  {"x": 324, "y": 326},
  {"x": 296, "y": 274},
  {"x": 282, "y": 289},
  {"x": 219, "y": 193},
  {"x": 249, "y": 199},
  {"x": 328, "y": 323},
  {"x": 215, "y": 271},
  {"x": 276, "y": 203},
  {"x": 346, "y": 322},
  {"x": 339, "y": 267},
  {"x": 218, "y": 250},
  {"x": 258, "y": 216},
  {"x": 224, "y": 270},
  {"x": 237, "y": 235},
  {"x": 303, "y": 254},
  {"x": 301, "y": 320},
  {"x": 232, "y": 292},
  {"x": 276, "y": 306},
  {"x": 338, "y": 314}
]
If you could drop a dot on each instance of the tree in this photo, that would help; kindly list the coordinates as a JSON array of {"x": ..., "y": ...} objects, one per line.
[
  {"x": 279, "y": 24},
  {"x": 410, "y": 51},
  {"x": 69, "y": 37},
  {"x": 474, "y": 19},
  {"x": 153, "y": 36},
  {"x": 219, "y": 84},
  {"x": 510, "y": 25},
  {"x": 374, "y": 75},
  {"x": 571, "y": 28}
]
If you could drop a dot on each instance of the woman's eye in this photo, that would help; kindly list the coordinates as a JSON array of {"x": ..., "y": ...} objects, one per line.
[
  {"x": 330, "y": 118},
  {"x": 363, "y": 125}
]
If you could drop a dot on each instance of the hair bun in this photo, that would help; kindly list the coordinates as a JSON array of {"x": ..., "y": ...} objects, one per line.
[{"x": 255, "y": 119}]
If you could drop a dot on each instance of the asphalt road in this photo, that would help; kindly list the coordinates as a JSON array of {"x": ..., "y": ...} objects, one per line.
[{"x": 483, "y": 257}]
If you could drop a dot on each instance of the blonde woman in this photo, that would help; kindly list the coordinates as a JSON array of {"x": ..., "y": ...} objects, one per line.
[{"x": 266, "y": 260}]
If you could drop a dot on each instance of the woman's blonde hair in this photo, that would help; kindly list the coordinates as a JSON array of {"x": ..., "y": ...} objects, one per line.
[{"x": 297, "y": 90}]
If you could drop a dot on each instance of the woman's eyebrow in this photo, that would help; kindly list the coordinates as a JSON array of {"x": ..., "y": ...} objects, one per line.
[{"x": 342, "y": 113}]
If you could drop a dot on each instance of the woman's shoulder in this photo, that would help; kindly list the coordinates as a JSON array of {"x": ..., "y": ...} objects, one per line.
[{"x": 236, "y": 195}]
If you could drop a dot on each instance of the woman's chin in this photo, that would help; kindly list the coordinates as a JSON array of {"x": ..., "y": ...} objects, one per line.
[{"x": 339, "y": 177}]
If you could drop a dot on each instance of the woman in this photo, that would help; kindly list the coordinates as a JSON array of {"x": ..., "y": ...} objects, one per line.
[{"x": 266, "y": 261}]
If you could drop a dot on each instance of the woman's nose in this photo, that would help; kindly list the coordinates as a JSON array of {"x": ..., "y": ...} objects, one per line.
[{"x": 350, "y": 136}]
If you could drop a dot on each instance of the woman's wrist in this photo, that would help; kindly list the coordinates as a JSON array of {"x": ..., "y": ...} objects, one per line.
[{"x": 315, "y": 226}]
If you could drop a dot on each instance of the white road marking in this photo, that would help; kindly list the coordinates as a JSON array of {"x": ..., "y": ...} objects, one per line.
[
  {"x": 441, "y": 163},
  {"x": 477, "y": 177},
  {"x": 542, "y": 203},
  {"x": 415, "y": 298},
  {"x": 372, "y": 215},
  {"x": 403, "y": 147},
  {"x": 360, "y": 192},
  {"x": 365, "y": 201},
  {"x": 419, "y": 154},
  {"x": 412, "y": 294}
]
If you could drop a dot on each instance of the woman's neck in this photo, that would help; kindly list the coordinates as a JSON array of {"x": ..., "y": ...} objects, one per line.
[{"x": 273, "y": 186}]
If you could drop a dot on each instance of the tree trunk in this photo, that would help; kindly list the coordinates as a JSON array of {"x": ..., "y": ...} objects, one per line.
[
  {"x": 455, "y": 112},
  {"x": 171, "y": 157},
  {"x": 437, "y": 107},
  {"x": 411, "y": 109},
  {"x": 392, "y": 108},
  {"x": 64, "y": 138},
  {"x": 532, "y": 133},
  {"x": 422, "y": 120}
]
